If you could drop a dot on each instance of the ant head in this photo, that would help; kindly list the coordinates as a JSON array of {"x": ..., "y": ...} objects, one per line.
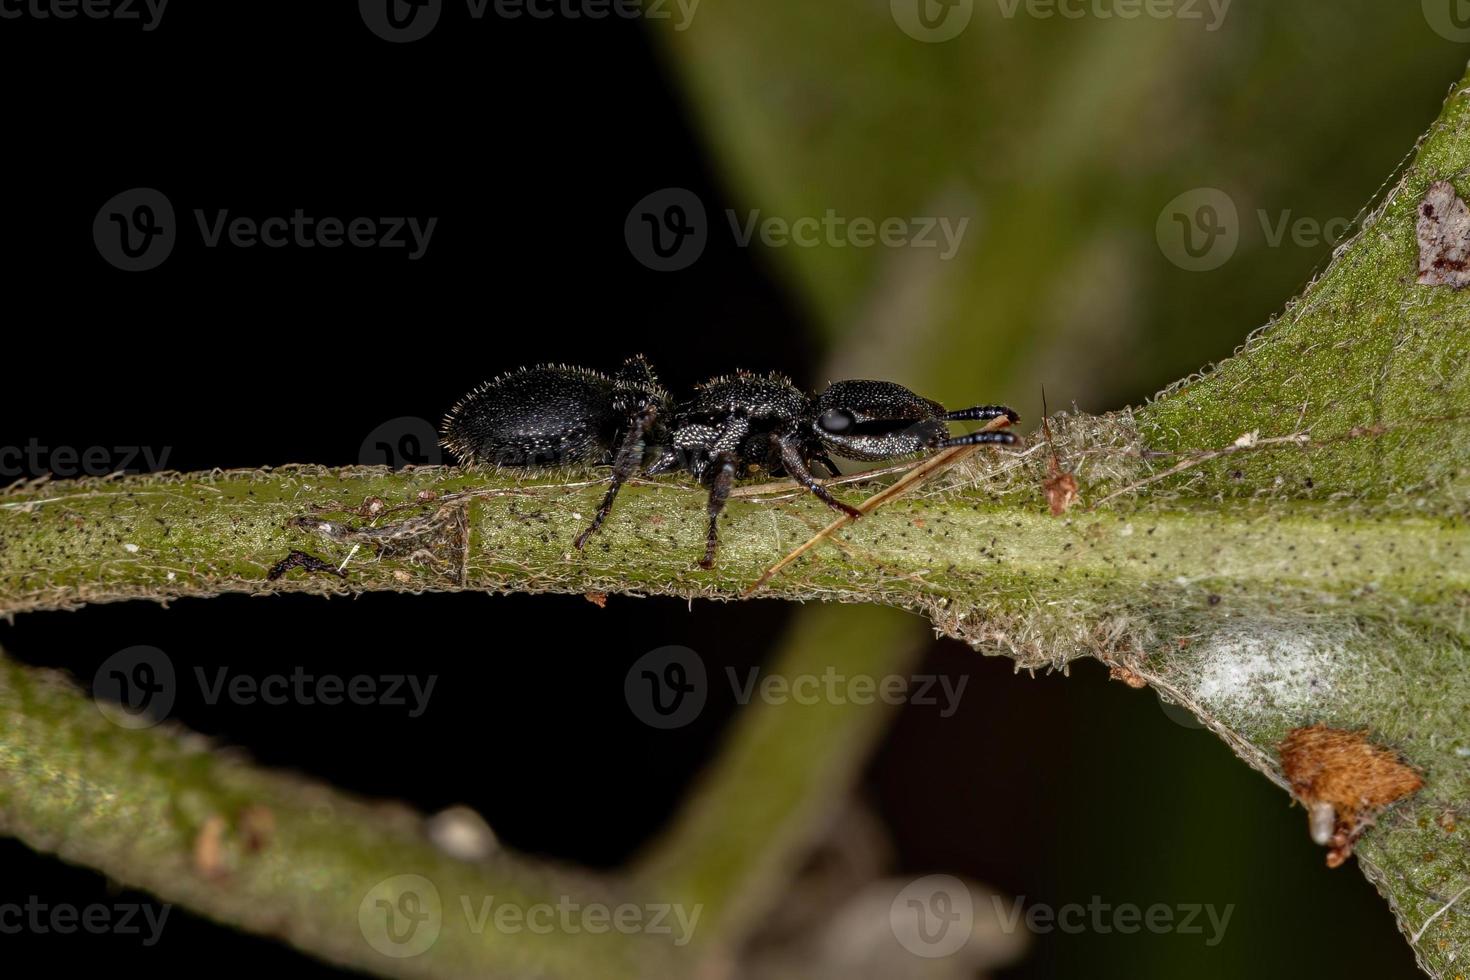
[{"x": 871, "y": 420}]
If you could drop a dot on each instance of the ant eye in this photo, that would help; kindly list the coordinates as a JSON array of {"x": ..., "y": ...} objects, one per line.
[{"x": 836, "y": 421}]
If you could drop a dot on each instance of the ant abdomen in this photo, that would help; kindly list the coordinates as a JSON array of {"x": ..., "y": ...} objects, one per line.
[{"x": 541, "y": 416}]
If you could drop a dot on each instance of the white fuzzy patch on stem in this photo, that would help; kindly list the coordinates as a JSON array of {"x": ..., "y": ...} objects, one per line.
[{"x": 1253, "y": 670}]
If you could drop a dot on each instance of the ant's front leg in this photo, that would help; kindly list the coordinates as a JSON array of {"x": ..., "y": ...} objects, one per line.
[
  {"x": 827, "y": 463},
  {"x": 985, "y": 438},
  {"x": 722, "y": 475},
  {"x": 625, "y": 464},
  {"x": 789, "y": 447},
  {"x": 983, "y": 413}
]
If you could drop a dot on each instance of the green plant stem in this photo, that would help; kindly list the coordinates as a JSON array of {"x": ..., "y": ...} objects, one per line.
[
  {"x": 972, "y": 558},
  {"x": 279, "y": 855}
]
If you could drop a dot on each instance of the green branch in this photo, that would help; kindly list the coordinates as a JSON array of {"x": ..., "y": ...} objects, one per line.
[
  {"x": 278, "y": 855},
  {"x": 978, "y": 553}
]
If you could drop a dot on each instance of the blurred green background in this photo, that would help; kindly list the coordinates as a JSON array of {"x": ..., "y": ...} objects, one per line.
[{"x": 1081, "y": 149}]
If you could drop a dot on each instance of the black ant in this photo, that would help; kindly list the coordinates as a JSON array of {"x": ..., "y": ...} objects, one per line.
[{"x": 557, "y": 415}]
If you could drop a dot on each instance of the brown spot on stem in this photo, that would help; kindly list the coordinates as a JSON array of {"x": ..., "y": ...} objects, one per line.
[
  {"x": 1343, "y": 771},
  {"x": 257, "y": 827},
  {"x": 1060, "y": 487},
  {"x": 1444, "y": 238},
  {"x": 1127, "y": 675},
  {"x": 209, "y": 847}
]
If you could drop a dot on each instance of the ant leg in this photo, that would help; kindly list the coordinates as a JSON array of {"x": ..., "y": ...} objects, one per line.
[
  {"x": 625, "y": 464},
  {"x": 827, "y": 463},
  {"x": 719, "y": 491},
  {"x": 791, "y": 458},
  {"x": 980, "y": 439},
  {"x": 982, "y": 413}
]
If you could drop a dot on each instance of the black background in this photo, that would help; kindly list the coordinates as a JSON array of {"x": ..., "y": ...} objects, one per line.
[{"x": 530, "y": 141}]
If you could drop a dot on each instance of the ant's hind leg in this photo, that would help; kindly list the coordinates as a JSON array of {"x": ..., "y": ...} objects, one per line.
[
  {"x": 625, "y": 464},
  {"x": 723, "y": 467}
]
